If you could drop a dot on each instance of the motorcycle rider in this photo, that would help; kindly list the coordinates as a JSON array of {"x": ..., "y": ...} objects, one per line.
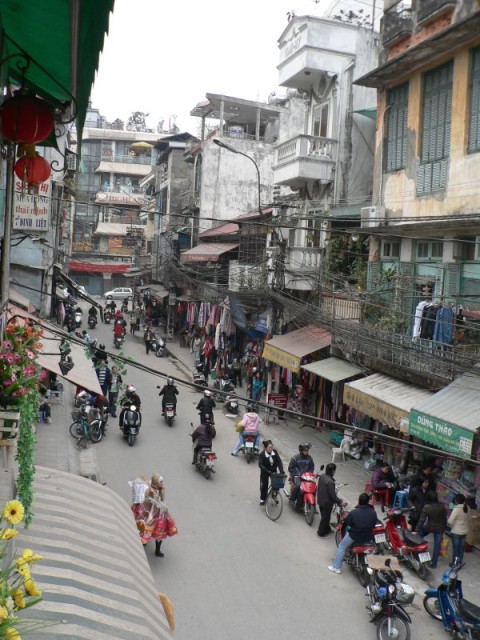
[
  {"x": 326, "y": 498},
  {"x": 100, "y": 354},
  {"x": 202, "y": 437},
  {"x": 359, "y": 524},
  {"x": 169, "y": 393},
  {"x": 93, "y": 313},
  {"x": 206, "y": 405},
  {"x": 118, "y": 330},
  {"x": 131, "y": 397},
  {"x": 250, "y": 423},
  {"x": 300, "y": 463}
]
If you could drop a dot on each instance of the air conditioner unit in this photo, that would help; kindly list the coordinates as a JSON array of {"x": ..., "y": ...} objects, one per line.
[{"x": 372, "y": 216}]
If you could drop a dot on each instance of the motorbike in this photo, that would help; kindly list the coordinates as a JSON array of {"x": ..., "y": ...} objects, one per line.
[
  {"x": 353, "y": 447},
  {"x": 356, "y": 555},
  {"x": 231, "y": 404},
  {"x": 78, "y": 316},
  {"x": 405, "y": 545},
  {"x": 161, "y": 347},
  {"x": 225, "y": 385},
  {"x": 206, "y": 416},
  {"x": 169, "y": 413},
  {"x": 107, "y": 316},
  {"x": 92, "y": 322},
  {"x": 447, "y": 604},
  {"x": 388, "y": 595},
  {"x": 249, "y": 450},
  {"x": 124, "y": 307},
  {"x": 132, "y": 419},
  {"x": 306, "y": 498},
  {"x": 199, "y": 377},
  {"x": 118, "y": 341}
]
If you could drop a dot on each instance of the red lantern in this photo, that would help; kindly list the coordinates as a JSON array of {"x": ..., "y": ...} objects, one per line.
[
  {"x": 32, "y": 171},
  {"x": 26, "y": 119}
]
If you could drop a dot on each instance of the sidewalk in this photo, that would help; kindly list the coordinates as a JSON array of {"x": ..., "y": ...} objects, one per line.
[{"x": 289, "y": 433}]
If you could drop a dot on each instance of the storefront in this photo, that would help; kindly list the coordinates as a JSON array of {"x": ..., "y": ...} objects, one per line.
[
  {"x": 450, "y": 420},
  {"x": 381, "y": 404}
]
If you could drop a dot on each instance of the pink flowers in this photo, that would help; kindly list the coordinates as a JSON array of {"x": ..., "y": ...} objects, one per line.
[
  {"x": 30, "y": 355},
  {"x": 7, "y": 345},
  {"x": 20, "y": 392}
]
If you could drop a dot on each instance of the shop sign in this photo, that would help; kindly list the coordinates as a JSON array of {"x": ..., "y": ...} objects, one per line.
[
  {"x": 282, "y": 358},
  {"x": 442, "y": 434},
  {"x": 32, "y": 212},
  {"x": 377, "y": 409}
]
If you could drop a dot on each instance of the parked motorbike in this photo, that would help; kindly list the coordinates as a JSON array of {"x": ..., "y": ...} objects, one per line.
[
  {"x": 356, "y": 555},
  {"x": 306, "y": 498},
  {"x": 78, "y": 317},
  {"x": 249, "y": 450},
  {"x": 408, "y": 547},
  {"x": 169, "y": 414},
  {"x": 118, "y": 341},
  {"x": 107, "y": 316},
  {"x": 225, "y": 385},
  {"x": 231, "y": 404},
  {"x": 388, "y": 595},
  {"x": 131, "y": 422},
  {"x": 161, "y": 347},
  {"x": 199, "y": 376},
  {"x": 353, "y": 447},
  {"x": 92, "y": 322},
  {"x": 446, "y": 603}
]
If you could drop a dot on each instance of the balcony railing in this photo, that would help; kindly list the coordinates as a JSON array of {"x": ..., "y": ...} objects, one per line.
[
  {"x": 304, "y": 146},
  {"x": 306, "y": 258},
  {"x": 397, "y": 22},
  {"x": 428, "y": 9},
  {"x": 127, "y": 159},
  {"x": 305, "y": 158}
]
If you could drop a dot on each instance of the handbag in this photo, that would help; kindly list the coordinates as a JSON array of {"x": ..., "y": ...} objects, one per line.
[{"x": 444, "y": 544}]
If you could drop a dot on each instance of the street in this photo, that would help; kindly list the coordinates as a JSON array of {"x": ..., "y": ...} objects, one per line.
[{"x": 230, "y": 571}]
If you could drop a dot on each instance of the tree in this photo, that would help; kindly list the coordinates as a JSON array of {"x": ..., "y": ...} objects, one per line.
[
  {"x": 118, "y": 124},
  {"x": 138, "y": 122}
]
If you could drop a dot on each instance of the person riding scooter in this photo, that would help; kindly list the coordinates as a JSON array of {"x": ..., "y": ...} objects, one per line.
[
  {"x": 300, "y": 463},
  {"x": 131, "y": 397},
  {"x": 169, "y": 393},
  {"x": 202, "y": 437},
  {"x": 118, "y": 331},
  {"x": 206, "y": 405},
  {"x": 250, "y": 423}
]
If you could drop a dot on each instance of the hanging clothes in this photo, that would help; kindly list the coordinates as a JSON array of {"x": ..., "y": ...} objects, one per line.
[
  {"x": 444, "y": 325},
  {"x": 418, "y": 317},
  {"x": 429, "y": 317}
]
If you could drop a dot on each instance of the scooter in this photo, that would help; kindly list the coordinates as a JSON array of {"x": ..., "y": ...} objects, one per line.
[
  {"x": 225, "y": 385},
  {"x": 388, "y": 595},
  {"x": 92, "y": 322},
  {"x": 124, "y": 307},
  {"x": 132, "y": 419},
  {"x": 78, "y": 316},
  {"x": 446, "y": 603},
  {"x": 198, "y": 374},
  {"x": 107, "y": 316},
  {"x": 231, "y": 405},
  {"x": 249, "y": 449},
  {"x": 405, "y": 545},
  {"x": 118, "y": 341},
  {"x": 169, "y": 413},
  {"x": 306, "y": 498},
  {"x": 161, "y": 347}
]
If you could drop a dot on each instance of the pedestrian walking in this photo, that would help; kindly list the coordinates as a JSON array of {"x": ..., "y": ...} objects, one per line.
[
  {"x": 269, "y": 462},
  {"x": 458, "y": 521},
  {"x": 327, "y": 498},
  {"x": 114, "y": 390},
  {"x": 237, "y": 372},
  {"x": 433, "y": 519},
  {"x": 104, "y": 376},
  {"x": 156, "y": 523},
  {"x": 147, "y": 338}
]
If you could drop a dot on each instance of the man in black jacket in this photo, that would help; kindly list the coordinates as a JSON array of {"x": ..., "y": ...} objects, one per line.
[
  {"x": 169, "y": 393},
  {"x": 359, "y": 524},
  {"x": 301, "y": 463},
  {"x": 327, "y": 498}
]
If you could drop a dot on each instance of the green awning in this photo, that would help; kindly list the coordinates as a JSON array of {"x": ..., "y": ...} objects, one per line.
[
  {"x": 63, "y": 39},
  {"x": 368, "y": 113}
]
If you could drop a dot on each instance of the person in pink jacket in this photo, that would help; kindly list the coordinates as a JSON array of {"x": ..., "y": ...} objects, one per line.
[{"x": 250, "y": 423}]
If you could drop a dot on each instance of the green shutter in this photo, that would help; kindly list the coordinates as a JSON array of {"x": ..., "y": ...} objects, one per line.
[
  {"x": 396, "y": 141},
  {"x": 373, "y": 275},
  {"x": 474, "y": 119},
  {"x": 451, "y": 279}
]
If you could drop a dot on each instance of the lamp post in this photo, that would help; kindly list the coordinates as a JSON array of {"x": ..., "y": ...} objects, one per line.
[{"x": 224, "y": 145}]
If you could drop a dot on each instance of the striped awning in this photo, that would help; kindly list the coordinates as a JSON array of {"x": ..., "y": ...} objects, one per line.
[{"x": 94, "y": 575}]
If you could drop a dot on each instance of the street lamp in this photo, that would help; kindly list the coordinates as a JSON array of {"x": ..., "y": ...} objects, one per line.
[{"x": 228, "y": 147}]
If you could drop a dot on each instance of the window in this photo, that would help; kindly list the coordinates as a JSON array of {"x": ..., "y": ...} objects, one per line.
[
  {"x": 429, "y": 250},
  {"x": 474, "y": 118},
  {"x": 436, "y": 126},
  {"x": 198, "y": 175},
  {"x": 320, "y": 121},
  {"x": 390, "y": 249},
  {"x": 396, "y": 142}
]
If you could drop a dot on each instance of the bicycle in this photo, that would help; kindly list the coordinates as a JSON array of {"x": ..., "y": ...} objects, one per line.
[
  {"x": 83, "y": 431},
  {"x": 274, "y": 501}
]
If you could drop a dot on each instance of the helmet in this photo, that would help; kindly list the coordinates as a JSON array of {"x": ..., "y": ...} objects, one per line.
[
  {"x": 170, "y": 381},
  {"x": 101, "y": 347},
  {"x": 207, "y": 393},
  {"x": 130, "y": 388},
  {"x": 304, "y": 447}
]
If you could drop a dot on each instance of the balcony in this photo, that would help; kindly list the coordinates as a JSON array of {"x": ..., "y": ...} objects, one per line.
[
  {"x": 397, "y": 23},
  {"x": 190, "y": 200},
  {"x": 429, "y": 9},
  {"x": 304, "y": 158},
  {"x": 304, "y": 258},
  {"x": 126, "y": 159}
]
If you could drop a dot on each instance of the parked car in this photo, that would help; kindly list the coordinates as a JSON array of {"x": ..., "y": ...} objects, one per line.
[{"x": 119, "y": 293}]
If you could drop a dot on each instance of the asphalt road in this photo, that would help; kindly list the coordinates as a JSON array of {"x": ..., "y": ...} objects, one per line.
[{"x": 231, "y": 572}]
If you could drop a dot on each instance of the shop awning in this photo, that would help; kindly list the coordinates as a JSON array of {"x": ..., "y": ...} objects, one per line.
[
  {"x": 385, "y": 399},
  {"x": 289, "y": 349},
  {"x": 94, "y": 574},
  {"x": 449, "y": 418},
  {"x": 127, "y": 168},
  {"x": 20, "y": 300},
  {"x": 156, "y": 291},
  {"x": 333, "y": 369},
  {"x": 78, "y": 292},
  {"x": 207, "y": 252},
  {"x": 83, "y": 373},
  {"x": 99, "y": 267},
  {"x": 63, "y": 41}
]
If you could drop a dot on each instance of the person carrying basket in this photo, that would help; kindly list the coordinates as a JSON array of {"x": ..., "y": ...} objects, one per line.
[{"x": 269, "y": 462}]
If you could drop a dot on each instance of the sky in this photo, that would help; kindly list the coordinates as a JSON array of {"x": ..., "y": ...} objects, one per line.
[{"x": 163, "y": 56}]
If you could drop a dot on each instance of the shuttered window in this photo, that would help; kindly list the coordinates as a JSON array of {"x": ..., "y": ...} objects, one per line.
[
  {"x": 436, "y": 129},
  {"x": 474, "y": 120},
  {"x": 396, "y": 142}
]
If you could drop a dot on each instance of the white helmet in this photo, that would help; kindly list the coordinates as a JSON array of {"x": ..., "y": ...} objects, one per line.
[
  {"x": 207, "y": 393},
  {"x": 130, "y": 388}
]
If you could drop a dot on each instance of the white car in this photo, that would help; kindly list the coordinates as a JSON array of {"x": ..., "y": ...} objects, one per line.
[{"x": 119, "y": 293}]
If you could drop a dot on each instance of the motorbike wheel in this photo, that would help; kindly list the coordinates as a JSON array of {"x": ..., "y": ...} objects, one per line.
[
  {"x": 432, "y": 607},
  {"x": 399, "y": 629},
  {"x": 95, "y": 433},
  {"x": 420, "y": 568},
  {"x": 248, "y": 457},
  {"x": 170, "y": 422},
  {"x": 131, "y": 439},
  {"x": 362, "y": 573},
  {"x": 206, "y": 473},
  {"x": 76, "y": 430},
  {"x": 309, "y": 511}
]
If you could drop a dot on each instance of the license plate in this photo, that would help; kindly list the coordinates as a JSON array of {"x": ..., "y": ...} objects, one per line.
[
  {"x": 249, "y": 445},
  {"x": 380, "y": 537},
  {"x": 169, "y": 414},
  {"x": 210, "y": 463},
  {"x": 424, "y": 557}
]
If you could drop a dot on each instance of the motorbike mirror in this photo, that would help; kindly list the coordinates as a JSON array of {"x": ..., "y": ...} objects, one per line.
[{"x": 370, "y": 571}]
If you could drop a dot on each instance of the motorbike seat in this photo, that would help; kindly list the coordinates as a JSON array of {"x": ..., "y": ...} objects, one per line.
[
  {"x": 470, "y": 611},
  {"x": 413, "y": 539}
]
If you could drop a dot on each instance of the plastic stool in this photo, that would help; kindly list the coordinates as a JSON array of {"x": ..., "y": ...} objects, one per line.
[{"x": 400, "y": 499}]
